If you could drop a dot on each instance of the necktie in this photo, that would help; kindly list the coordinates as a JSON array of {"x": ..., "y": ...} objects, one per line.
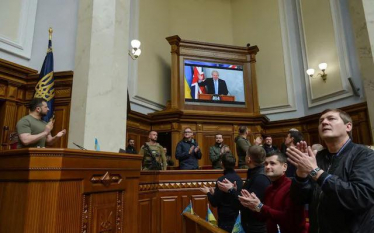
[{"x": 216, "y": 87}]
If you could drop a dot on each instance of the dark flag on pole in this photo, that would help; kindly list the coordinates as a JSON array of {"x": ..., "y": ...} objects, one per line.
[{"x": 45, "y": 87}]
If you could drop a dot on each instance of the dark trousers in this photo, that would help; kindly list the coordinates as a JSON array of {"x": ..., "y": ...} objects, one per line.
[{"x": 227, "y": 226}]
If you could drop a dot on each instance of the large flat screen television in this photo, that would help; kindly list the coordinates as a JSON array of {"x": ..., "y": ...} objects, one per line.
[{"x": 207, "y": 83}]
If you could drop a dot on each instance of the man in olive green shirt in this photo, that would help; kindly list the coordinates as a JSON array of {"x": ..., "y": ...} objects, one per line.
[
  {"x": 215, "y": 152},
  {"x": 242, "y": 145},
  {"x": 32, "y": 130},
  {"x": 153, "y": 154}
]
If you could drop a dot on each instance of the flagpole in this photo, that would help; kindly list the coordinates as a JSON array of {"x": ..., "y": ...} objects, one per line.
[{"x": 50, "y": 30}]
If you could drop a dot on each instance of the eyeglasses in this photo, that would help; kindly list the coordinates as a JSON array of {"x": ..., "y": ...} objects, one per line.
[{"x": 187, "y": 131}]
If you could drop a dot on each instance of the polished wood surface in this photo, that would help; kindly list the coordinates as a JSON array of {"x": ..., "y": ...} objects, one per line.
[
  {"x": 65, "y": 190},
  {"x": 163, "y": 195},
  {"x": 195, "y": 224}
]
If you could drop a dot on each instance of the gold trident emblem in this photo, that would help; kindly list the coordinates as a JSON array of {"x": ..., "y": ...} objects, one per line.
[{"x": 43, "y": 89}]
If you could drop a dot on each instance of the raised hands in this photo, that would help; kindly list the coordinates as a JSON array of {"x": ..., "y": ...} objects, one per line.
[
  {"x": 225, "y": 185},
  {"x": 303, "y": 158},
  {"x": 249, "y": 200}
]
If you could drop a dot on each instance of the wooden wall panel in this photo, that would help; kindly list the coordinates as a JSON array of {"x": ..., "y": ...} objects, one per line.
[
  {"x": 169, "y": 220},
  {"x": 62, "y": 115},
  {"x": 200, "y": 204},
  {"x": 145, "y": 214}
]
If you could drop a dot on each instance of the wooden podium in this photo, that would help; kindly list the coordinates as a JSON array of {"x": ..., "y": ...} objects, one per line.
[
  {"x": 65, "y": 190},
  {"x": 221, "y": 97}
]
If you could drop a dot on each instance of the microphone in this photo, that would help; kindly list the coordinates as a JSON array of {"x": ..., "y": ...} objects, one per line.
[
  {"x": 80, "y": 147},
  {"x": 193, "y": 142}
]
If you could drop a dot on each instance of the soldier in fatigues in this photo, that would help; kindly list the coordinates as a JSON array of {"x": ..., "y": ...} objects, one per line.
[{"x": 153, "y": 154}]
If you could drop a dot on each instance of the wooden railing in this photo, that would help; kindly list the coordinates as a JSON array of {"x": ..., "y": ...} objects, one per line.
[{"x": 195, "y": 224}]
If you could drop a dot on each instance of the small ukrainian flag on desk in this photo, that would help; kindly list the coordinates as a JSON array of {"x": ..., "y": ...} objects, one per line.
[
  {"x": 238, "y": 225},
  {"x": 97, "y": 146},
  {"x": 188, "y": 209},
  {"x": 210, "y": 217}
]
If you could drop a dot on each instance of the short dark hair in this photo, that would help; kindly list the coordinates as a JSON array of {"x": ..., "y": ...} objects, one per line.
[
  {"x": 296, "y": 135},
  {"x": 36, "y": 102},
  {"x": 130, "y": 140},
  {"x": 257, "y": 154},
  {"x": 228, "y": 160},
  {"x": 242, "y": 129},
  {"x": 343, "y": 115},
  {"x": 266, "y": 136},
  {"x": 150, "y": 131},
  {"x": 218, "y": 134},
  {"x": 281, "y": 157}
]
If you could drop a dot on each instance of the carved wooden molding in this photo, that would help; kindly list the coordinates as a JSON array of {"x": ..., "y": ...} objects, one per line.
[
  {"x": 107, "y": 179},
  {"x": 175, "y": 185},
  {"x": 119, "y": 211},
  {"x": 85, "y": 213}
]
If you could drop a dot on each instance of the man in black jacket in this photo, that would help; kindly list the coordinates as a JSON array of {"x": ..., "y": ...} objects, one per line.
[
  {"x": 256, "y": 182},
  {"x": 227, "y": 205},
  {"x": 130, "y": 149},
  {"x": 214, "y": 85},
  {"x": 338, "y": 182},
  {"x": 188, "y": 152}
]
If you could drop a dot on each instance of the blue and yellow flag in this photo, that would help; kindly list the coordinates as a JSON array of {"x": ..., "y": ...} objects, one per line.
[
  {"x": 97, "y": 146},
  {"x": 45, "y": 86},
  {"x": 210, "y": 217},
  {"x": 238, "y": 225},
  {"x": 188, "y": 209}
]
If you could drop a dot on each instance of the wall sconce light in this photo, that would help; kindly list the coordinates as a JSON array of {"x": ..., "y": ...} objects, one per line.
[
  {"x": 135, "y": 52},
  {"x": 322, "y": 67}
]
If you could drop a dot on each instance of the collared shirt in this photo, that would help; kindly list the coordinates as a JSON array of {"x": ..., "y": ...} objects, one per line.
[{"x": 216, "y": 87}]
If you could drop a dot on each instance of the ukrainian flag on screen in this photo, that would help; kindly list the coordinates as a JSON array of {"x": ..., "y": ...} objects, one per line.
[
  {"x": 188, "y": 76},
  {"x": 45, "y": 87}
]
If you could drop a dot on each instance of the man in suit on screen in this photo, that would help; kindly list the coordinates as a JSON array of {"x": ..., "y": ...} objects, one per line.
[{"x": 213, "y": 85}]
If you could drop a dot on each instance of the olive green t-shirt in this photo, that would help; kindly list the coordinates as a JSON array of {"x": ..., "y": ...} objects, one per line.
[{"x": 33, "y": 126}]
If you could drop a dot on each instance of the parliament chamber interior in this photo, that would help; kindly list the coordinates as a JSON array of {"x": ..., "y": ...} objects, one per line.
[{"x": 258, "y": 57}]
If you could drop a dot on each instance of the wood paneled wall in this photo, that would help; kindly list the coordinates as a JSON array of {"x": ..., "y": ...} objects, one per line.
[
  {"x": 17, "y": 85},
  {"x": 163, "y": 195}
]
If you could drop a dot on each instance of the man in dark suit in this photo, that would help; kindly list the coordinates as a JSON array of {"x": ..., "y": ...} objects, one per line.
[{"x": 214, "y": 85}]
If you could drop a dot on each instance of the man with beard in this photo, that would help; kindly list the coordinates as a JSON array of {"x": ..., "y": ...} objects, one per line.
[
  {"x": 153, "y": 154},
  {"x": 130, "y": 149},
  {"x": 337, "y": 182},
  {"x": 32, "y": 130},
  {"x": 268, "y": 146},
  {"x": 277, "y": 209},
  {"x": 215, "y": 152}
]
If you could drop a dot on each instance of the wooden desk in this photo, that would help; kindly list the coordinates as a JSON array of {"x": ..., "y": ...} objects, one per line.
[
  {"x": 65, "y": 190},
  {"x": 163, "y": 195},
  {"x": 222, "y": 97}
]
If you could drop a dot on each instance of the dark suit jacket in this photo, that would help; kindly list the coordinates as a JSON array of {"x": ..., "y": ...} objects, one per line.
[{"x": 209, "y": 85}]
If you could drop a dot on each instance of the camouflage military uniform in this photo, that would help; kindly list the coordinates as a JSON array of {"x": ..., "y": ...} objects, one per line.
[{"x": 154, "y": 158}]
